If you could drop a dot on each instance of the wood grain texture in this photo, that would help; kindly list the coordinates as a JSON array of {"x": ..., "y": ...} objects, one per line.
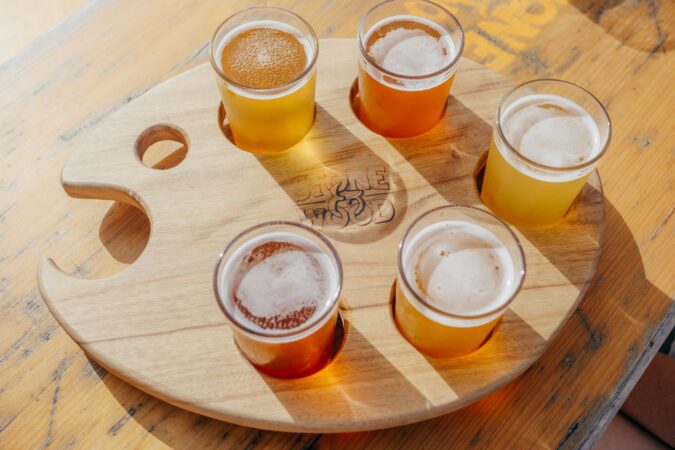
[
  {"x": 54, "y": 89},
  {"x": 23, "y": 21},
  {"x": 157, "y": 323}
]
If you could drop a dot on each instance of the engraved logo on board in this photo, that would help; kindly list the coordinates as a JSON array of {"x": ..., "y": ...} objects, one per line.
[{"x": 335, "y": 201}]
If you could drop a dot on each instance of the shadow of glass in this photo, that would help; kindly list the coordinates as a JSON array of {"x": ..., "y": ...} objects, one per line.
[
  {"x": 510, "y": 344},
  {"x": 449, "y": 153},
  {"x": 340, "y": 186},
  {"x": 572, "y": 245},
  {"x": 644, "y": 26},
  {"x": 347, "y": 381}
]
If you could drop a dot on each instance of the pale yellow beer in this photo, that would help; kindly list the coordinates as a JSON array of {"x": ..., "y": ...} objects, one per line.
[
  {"x": 458, "y": 270},
  {"x": 548, "y": 138},
  {"x": 265, "y": 59}
]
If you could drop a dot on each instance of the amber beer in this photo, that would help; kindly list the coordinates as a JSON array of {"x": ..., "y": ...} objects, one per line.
[
  {"x": 278, "y": 284},
  {"x": 265, "y": 59},
  {"x": 548, "y": 138},
  {"x": 408, "y": 56},
  {"x": 459, "y": 268}
]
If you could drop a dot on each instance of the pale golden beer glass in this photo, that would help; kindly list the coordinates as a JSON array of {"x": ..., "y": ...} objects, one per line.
[
  {"x": 296, "y": 344},
  {"x": 268, "y": 108},
  {"x": 446, "y": 323},
  {"x": 527, "y": 192},
  {"x": 397, "y": 102}
]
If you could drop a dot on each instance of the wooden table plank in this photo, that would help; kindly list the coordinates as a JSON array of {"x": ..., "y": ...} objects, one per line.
[
  {"x": 23, "y": 21},
  {"x": 55, "y": 89}
]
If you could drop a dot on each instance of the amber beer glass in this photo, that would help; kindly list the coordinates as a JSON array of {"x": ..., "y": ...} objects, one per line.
[
  {"x": 459, "y": 268},
  {"x": 408, "y": 55},
  {"x": 548, "y": 138},
  {"x": 278, "y": 284},
  {"x": 265, "y": 61}
]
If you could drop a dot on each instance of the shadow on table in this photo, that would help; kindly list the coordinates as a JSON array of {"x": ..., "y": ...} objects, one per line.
[{"x": 643, "y": 26}]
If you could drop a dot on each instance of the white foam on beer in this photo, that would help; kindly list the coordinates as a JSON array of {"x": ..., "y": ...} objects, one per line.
[
  {"x": 460, "y": 268},
  {"x": 262, "y": 53},
  {"x": 412, "y": 52},
  {"x": 551, "y": 130},
  {"x": 282, "y": 283}
]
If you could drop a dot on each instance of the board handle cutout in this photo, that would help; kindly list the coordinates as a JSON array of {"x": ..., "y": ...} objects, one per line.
[{"x": 162, "y": 146}]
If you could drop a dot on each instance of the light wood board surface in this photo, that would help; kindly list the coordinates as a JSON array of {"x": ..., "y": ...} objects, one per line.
[
  {"x": 157, "y": 323},
  {"x": 87, "y": 62}
]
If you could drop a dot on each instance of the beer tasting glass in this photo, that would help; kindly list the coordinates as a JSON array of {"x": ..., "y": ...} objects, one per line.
[
  {"x": 279, "y": 284},
  {"x": 265, "y": 61},
  {"x": 548, "y": 138},
  {"x": 409, "y": 52},
  {"x": 459, "y": 268}
]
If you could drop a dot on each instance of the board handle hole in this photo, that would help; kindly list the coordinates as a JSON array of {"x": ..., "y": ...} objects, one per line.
[{"x": 162, "y": 147}]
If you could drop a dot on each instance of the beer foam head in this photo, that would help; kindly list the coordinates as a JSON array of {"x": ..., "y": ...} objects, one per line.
[
  {"x": 278, "y": 281},
  {"x": 264, "y": 54},
  {"x": 460, "y": 268},
  {"x": 551, "y": 130},
  {"x": 410, "y": 45}
]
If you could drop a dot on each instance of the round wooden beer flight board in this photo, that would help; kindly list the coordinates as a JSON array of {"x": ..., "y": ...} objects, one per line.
[{"x": 157, "y": 325}]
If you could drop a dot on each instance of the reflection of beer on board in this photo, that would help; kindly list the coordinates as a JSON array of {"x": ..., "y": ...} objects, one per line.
[
  {"x": 551, "y": 131},
  {"x": 461, "y": 269},
  {"x": 412, "y": 47},
  {"x": 279, "y": 282},
  {"x": 269, "y": 109}
]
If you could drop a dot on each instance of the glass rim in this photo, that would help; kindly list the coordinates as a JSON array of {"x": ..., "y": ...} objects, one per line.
[
  {"x": 527, "y": 160},
  {"x": 445, "y": 68},
  {"x": 421, "y": 298},
  {"x": 287, "y": 84},
  {"x": 334, "y": 298}
]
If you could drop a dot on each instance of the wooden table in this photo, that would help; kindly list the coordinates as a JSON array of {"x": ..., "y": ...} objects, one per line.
[{"x": 66, "y": 64}]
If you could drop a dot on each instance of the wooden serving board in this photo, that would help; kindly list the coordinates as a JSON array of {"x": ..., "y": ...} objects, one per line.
[{"x": 158, "y": 326}]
